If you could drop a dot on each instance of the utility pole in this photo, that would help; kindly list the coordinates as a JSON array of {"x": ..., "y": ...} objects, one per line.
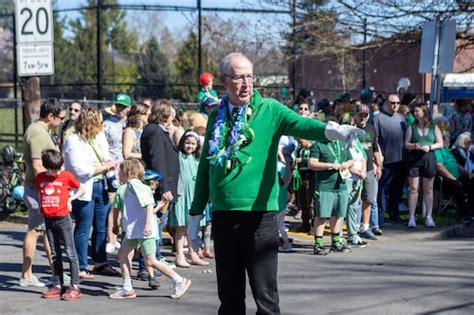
[
  {"x": 435, "y": 67},
  {"x": 15, "y": 80},
  {"x": 99, "y": 51},
  {"x": 199, "y": 39},
  {"x": 293, "y": 50},
  {"x": 363, "y": 54}
]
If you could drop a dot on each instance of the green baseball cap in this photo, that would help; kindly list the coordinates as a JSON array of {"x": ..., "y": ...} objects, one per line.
[{"x": 122, "y": 99}]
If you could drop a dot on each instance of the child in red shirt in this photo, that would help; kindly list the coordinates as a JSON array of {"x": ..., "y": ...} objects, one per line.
[{"x": 54, "y": 187}]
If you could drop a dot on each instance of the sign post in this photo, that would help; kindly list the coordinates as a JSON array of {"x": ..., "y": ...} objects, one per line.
[
  {"x": 35, "y": 51},
  {"x": 437, "y": 53}
]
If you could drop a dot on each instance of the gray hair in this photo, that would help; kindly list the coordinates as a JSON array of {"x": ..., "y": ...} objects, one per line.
[
  {"x": 461, "y": 139},
  {"x": 224, "y": 65}
]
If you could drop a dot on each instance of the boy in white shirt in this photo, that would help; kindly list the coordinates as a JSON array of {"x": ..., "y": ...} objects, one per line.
[{"x": 136, "y": 202}]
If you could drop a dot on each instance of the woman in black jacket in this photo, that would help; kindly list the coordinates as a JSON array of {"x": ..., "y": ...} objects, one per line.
[
  {"x": 158, "y": 150},
  {"x": 161, "y": 155}
]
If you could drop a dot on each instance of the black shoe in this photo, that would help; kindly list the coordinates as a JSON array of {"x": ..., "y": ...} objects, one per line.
[
  {"x": 304, "y": 228},
  {"x": 357, "y": 242},
  {"x": 292, "y": 210},
  {"x": 153, "y": 283},
  {"x": 320, "y": 250},
  {"x": 377, "y": 231},
  {"x": 396, "y": 221},
  {"x": 143, "y": 275},
  {"x": 339, "y": 247},
  {"x": 368, "y": 234}
]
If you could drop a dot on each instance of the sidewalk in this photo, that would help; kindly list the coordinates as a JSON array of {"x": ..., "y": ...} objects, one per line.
[{"x": 392, "y": 232}]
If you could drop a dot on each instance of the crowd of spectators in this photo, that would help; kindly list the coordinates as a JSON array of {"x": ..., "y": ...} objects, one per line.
[{"x": 403, "y": 142}]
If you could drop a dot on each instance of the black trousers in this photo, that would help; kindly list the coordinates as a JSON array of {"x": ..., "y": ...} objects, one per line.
[
  {"x": 391, "y": 190},
  {"x": 246, "y": 241},
  {"x": 459, "y": 189},
  {"x": 305, "y": 198}
]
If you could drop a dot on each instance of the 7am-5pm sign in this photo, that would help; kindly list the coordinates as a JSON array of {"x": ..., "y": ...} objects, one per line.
[{"x": 34, "y": 36}]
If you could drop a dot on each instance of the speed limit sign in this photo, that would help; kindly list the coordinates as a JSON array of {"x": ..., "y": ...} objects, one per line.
[
  {"x": 34, "y": 20},
  {"x": 34, "y": 36}
]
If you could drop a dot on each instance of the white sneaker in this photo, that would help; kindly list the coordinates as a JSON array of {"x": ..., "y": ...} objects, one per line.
[
  {"x": 181, "y": 288},
  {"x": 288, "y": 248},
  {"x": 429, "y": 223},
  {"x": 411, "y": 223},
  {"x": 33, "y": 282},
  {"x": 109, "y": 248}
]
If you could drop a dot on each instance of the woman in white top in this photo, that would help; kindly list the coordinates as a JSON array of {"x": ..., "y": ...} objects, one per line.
[{"x": 86, "y": 155}]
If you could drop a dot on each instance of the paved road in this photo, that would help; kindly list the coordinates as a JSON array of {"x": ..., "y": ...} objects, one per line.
[{"x": 400, "y": 274}]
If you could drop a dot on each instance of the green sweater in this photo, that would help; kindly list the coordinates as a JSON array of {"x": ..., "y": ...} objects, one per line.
[{"x": 253, "y": 187}]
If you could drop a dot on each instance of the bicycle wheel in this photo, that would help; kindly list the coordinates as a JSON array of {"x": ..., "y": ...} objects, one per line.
[
  {"x": 3, "y": 189},
  {"x": 10, "y": 204}
]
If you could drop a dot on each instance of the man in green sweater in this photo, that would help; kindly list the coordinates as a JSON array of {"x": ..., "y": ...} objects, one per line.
[{"x": 238, "y": 173}]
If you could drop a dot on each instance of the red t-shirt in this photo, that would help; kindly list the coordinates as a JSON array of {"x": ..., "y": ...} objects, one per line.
[{"x": 54, "y": 192}]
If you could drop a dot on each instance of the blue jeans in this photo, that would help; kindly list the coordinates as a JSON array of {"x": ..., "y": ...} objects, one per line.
[
  {"x": 90, "y": 214},
  {"x": 374, "y": 209}
]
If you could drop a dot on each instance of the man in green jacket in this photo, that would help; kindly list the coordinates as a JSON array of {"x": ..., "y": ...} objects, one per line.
[{"x": 238, "y": 173}]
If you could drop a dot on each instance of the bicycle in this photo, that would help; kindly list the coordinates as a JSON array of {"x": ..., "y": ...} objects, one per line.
[{"x": 12, "y": 178}]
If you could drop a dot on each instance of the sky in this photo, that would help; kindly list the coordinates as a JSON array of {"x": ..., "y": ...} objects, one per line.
[{"x": 172, "y": 19}]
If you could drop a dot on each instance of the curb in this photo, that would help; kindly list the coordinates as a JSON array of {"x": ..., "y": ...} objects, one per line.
[
  {"x": 15, "y": 219},
  {"x": 459, "y": 230},
  {"x": 454, "y": 231}
]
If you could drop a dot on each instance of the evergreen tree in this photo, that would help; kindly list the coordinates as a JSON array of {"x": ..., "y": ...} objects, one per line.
[
  {"x": 153, "y": 67},
  {"x": 84, "y": 47},
  {"x": 186, "y": 68}
]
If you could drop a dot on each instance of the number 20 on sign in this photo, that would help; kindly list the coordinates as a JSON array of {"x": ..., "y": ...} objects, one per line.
[{"x": 34, "y": 21}]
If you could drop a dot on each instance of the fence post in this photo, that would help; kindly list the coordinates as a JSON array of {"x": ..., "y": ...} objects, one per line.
[
  {"x": 99, "y": 51},
  {"x": 15, "y": 80},
  {"x": 199, "y": 39},
  {"x": 293, "y": 50}
]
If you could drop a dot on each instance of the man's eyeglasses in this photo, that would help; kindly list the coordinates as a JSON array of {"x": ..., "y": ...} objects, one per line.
[
  {"x": 303, "y": 108},
  {"x": 74, "y": 110},
  {"x": 60, "y": 117},
  {"x": 241, "y": 78},
  {"x": 395, "y": 103}
]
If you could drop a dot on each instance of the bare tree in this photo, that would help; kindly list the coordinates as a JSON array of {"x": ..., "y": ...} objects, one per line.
[{"x": 339, "y": 26}]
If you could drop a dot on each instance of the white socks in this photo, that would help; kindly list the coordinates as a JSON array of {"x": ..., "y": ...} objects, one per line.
[
  {"x": 127, "y": 285},
  {"x": 177, "y": 279}
]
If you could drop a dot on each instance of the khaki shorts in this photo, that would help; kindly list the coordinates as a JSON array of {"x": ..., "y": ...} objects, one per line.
[
  {"x": 147, "y": 245},
  {"x": 331, "y": 204},
  {"x": 35, "y": 218}
]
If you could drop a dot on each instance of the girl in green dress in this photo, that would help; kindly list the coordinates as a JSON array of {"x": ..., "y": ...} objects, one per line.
[{"x": 189, "y": 151}]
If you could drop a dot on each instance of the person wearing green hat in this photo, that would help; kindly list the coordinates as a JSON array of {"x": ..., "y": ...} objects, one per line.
[
  {"x": 113, "y": 129},
  {"x": 114, "y": 125}
]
